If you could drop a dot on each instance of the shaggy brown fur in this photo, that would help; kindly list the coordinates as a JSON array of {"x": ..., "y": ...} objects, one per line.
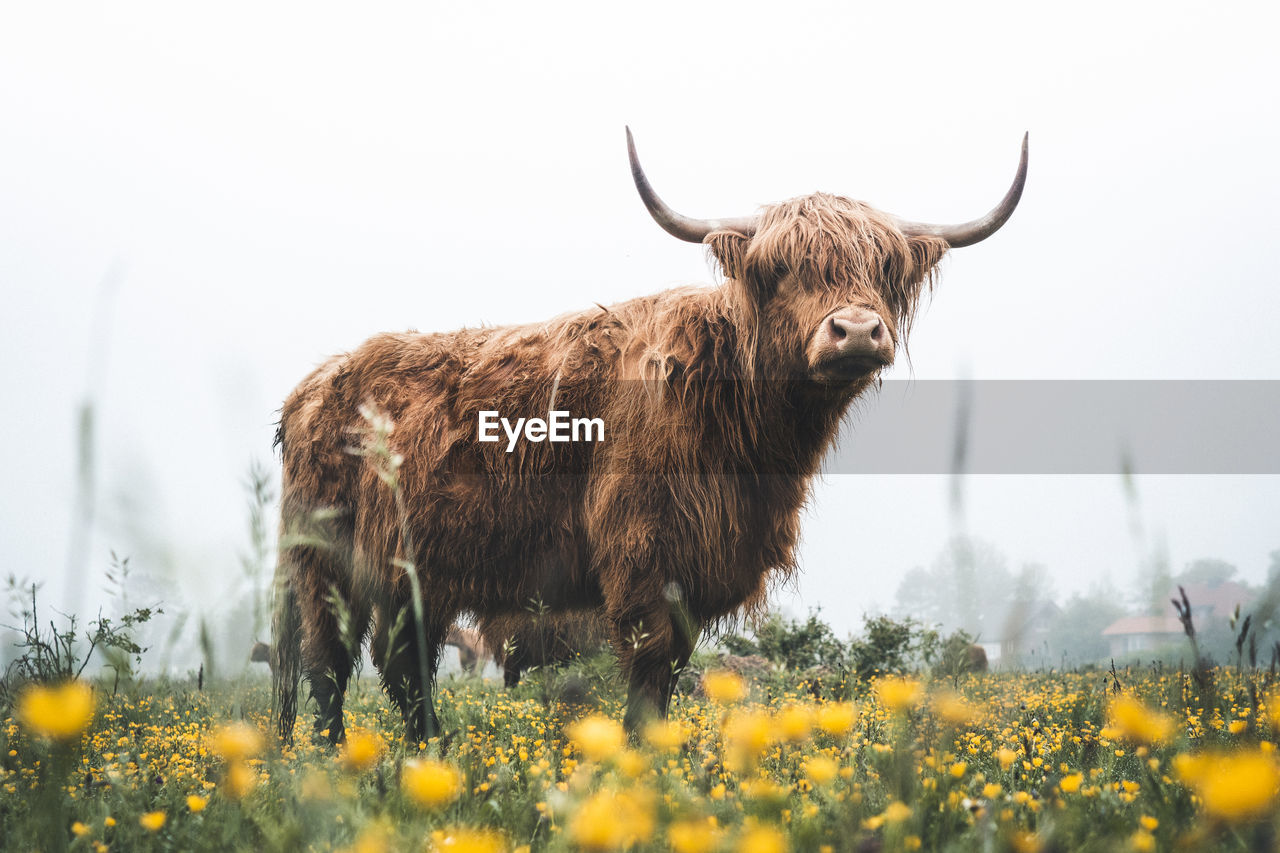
[
  {"x": 684, "y": 515},
  {"x": 522, "y": 641}
]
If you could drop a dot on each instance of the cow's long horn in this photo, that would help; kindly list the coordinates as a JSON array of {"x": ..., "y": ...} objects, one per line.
[
  {"x": 979, "y": 229},
  {"x": 675, "y": 224}
]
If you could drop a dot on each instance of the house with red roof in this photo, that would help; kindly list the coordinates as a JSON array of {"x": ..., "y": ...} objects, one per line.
[{"x": 1209, "y": 605}]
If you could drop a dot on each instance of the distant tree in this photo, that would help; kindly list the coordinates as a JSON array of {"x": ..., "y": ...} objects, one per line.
[
  {"x": 790, "y": 643},
  {"x": 918, "y": 596},
  {"x": 1265, "y": 608},
  {"x": 891, "y": 645},
  {"x": 1154, "y": 580},
  {"x": 969, "y": 587},
  {"x": 1033, "y": 583},
  {"x": 1075, "y": 638},
  {"x": 956, "y": 656},
  {"x": 1207, "y": 571}
]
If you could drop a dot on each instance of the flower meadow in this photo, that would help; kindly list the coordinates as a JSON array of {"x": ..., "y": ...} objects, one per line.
[{"x": 1156, "y": 759}]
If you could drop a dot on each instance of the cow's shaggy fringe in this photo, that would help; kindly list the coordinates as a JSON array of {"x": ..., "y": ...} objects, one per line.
[{"x": 714, "y": 430}]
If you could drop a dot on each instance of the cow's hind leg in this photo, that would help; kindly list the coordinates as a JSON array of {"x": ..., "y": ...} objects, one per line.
[
  {"x": 398, "y": 653},
  {"x": 510, "y": 672}
]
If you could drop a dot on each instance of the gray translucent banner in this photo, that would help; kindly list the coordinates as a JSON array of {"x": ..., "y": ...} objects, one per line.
[{"x": 1062, "y": 427}]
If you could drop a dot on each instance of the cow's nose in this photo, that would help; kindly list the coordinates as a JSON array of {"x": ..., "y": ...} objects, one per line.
[{"x": 862, "y": 335}]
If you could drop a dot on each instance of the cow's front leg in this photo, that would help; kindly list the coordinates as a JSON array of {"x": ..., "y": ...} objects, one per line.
[
  {"x": 654, "y": 636},
  {"x": 398, "y": 655}
]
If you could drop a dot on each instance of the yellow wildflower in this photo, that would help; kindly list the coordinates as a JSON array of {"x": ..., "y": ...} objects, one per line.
[
  {"x": 57, "y": 713},
  {"x": 724, "y": 686},
  {"x": 78, "y": 829},
  {"x": 1007, "y": 757},
  {"x": 762, "y": 839},
  {"x": 1026, "y": 842},
  {"x": 361, "y": 751},
  {"x": 991, "y": 790},
  {"x": 196, "y": 804},
  {"x": 1273, "y": 710},
  {"x": 431, "y": 783},
  {"x": 693, "y": 836},
  {"x": 1134, "y": 720},
  {"x": 237, "y": 741},
  {"x": 897, "y": 812},
  {"x": 763, "y": 789},
  {"x": 836, "y": 718},
  {"x": 597, "y": 736},
  {"x": 794, "y": 723},
  {"x": 470, "y": 840},
  {"x": 1071, "y": 784},
  {"x": 746, "y": 734},
  {"x": 897, "y": 694},
  {"x": 632, "y": 763},
  {"x": 953, "y": 708},
  {"x": 666, "y": 735},
  {"x": 374, "y": 838},
  {"x": 1232, "y": 786},
  {"x": 957, "y": 769},
  {"x": 152, "y": 821},
  {"x": 239, "y": 780},
  {"x": 1148, "y": 823},
  {"x": 608, "y": 820},
  {"x": 821, "y": 770}
]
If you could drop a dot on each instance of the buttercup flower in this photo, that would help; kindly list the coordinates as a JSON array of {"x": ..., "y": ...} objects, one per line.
[
  {"x": 724, "y": 686},
  {"x": 597, "y": 736},
  {"x": 431, "y": 783},
  {"x": 897, "y": 694},
  {"x": 237, "y": 741},
  {"x": 1136, "y": 721},
  {"x": 1232, "y": 786},
  {"x": 58, "y": 713},
  {"x": 361, "y": 751}
]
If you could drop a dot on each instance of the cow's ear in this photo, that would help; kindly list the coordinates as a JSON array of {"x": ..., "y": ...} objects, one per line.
[
  {"x": 926, "y": 253},
  {"x": 729, "y": 248}
]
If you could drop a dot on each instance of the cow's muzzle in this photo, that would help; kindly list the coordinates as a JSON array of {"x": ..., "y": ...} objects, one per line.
[{"x": 850, "y": 343}]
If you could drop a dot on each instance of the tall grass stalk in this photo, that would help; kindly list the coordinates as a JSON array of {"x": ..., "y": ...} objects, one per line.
[{"x": 377, "y": 450}]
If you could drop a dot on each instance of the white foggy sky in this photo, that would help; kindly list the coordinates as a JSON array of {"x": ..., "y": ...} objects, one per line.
[{"x": 277, "y": 183}]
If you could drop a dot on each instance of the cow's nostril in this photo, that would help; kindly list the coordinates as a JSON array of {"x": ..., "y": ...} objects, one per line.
[
  {"x": 837, "y": 330},
  {"x": 879, "y": 333}
]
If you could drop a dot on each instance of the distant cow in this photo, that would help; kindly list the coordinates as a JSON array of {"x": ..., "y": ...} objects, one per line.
[
  {"x": 521, "y": 641},
  {"x": 473, "y": 651},
  {"x": 717, "y": 406},
  {"x": 977, "y": 661},
  {"x": 261, "y": 653}
]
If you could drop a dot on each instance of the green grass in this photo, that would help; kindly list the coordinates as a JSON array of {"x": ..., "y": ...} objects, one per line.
[{"x": 918, "y": 766}]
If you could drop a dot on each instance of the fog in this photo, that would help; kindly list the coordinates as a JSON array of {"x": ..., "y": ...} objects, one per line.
[{"x": 200, "y": 205}]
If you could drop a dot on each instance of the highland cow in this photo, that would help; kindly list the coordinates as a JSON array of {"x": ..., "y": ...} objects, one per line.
[
  {"x": 473, "y": 651},
  {"x": 718, "y": 404}
]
